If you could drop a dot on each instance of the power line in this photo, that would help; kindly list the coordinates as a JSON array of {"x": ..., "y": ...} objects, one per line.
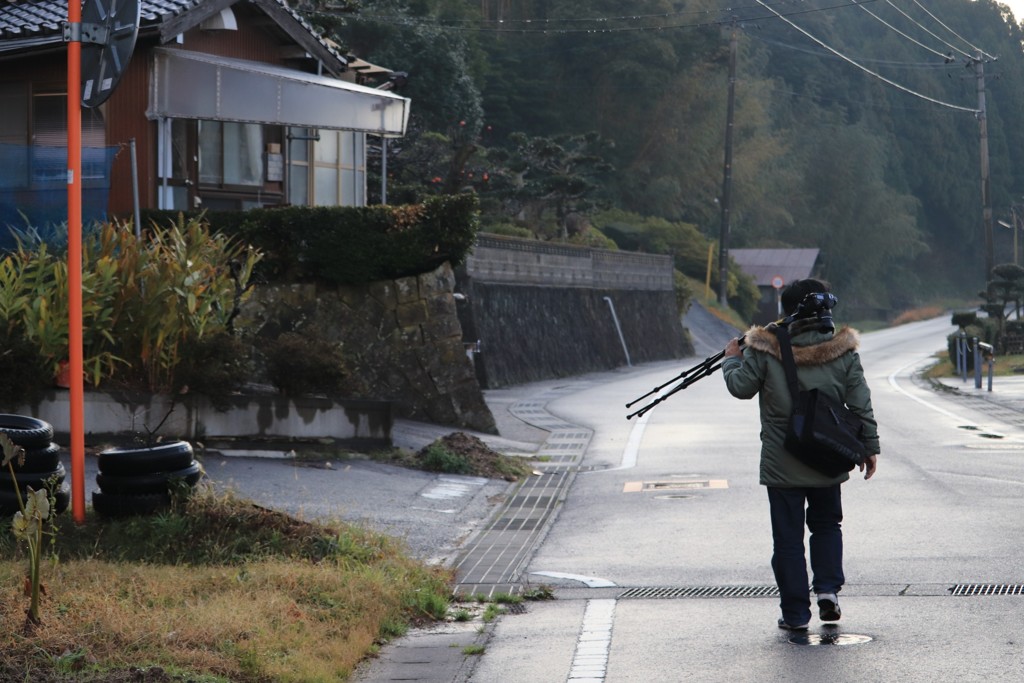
[
  {"x": 821, "y": 53},
  {"x": 913, "y": 40},
  {"x": 867, "y": 70},
  {"x": 929, "y": 32},
  {"x": 543, "y": 30},
  {"x": 972, "y": 46}
]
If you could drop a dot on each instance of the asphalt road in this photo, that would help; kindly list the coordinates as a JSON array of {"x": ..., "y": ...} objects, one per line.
[{"x": 677, "y": 506}]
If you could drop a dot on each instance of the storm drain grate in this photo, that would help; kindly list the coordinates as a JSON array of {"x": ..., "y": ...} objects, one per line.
[
  {"x": 516, "y": 524},
  {"x": 702, "y": 592},
  {"x": 988, "y": 589}
]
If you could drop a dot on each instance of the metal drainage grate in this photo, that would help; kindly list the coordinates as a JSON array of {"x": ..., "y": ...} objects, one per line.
[
  {"x": 516, "y": 524},
  {"x": 987, "y": 589},
  {"x": 701, "y": 592}
]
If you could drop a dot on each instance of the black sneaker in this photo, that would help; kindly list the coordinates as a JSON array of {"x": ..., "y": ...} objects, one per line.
[
  {"x": 828, "y": 607},
  {"x": 791, "y": 627}
]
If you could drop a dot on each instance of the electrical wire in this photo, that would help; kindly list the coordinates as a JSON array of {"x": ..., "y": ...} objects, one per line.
[
  {"x": 913, "y": 40},
  {"x": 972, "y": 46},
  {"x": 821, "y": 53},
  {"x": 417, "y": 21},
  {"x": 926, "y": 30},
  {"x": 869, "y": 71}
]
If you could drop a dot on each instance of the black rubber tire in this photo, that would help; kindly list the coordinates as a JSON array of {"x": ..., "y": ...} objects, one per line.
[
  {"x": 39, "y": 460},
  {"x": 33, "y": 479},
  {"x": 163, "y": 457},
  {"x": 126, "y": 504},
  {"x": 155, "y": 482},
  {"x": 9, "y": 502},
  {"x": 27, "y": 432}
]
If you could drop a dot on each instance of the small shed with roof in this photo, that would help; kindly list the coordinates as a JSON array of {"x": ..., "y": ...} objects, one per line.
[{"x": 772, "y": 270}]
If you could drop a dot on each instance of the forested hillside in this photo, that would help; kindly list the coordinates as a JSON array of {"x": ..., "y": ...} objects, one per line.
[{"x": 856, "y": 125}]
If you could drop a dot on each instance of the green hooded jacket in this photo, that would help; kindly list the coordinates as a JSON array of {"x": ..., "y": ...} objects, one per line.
[{"x": 826, "y": 361}]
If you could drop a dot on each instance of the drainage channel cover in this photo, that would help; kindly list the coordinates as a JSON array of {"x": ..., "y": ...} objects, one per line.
[
  {"x": 655, "y": 592},
  {"x": 987, "y": 589}
]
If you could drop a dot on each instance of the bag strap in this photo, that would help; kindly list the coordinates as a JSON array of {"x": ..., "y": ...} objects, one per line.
[{"x": 788, "y": 362}]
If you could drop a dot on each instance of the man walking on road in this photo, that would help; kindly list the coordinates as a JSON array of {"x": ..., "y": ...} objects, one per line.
[{"x": 826, "y": 360}]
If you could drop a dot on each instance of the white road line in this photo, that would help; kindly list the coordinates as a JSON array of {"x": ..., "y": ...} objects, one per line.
[
  {"x": 590, "y": 661},
  {"x": 895, "y": 385},
  {"x": 632, "y": 451}
]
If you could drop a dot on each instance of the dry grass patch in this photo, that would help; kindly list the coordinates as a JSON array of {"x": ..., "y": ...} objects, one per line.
[{"x": 307, "y": 611}]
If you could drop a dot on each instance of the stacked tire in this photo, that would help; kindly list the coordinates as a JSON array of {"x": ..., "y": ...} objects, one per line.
[
  {"x": 40, "y": 467},
  {"x": 139, "y": 481}
]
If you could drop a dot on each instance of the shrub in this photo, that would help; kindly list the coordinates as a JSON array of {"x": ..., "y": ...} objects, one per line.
[
  {"x": 216, "y": 366},
  {"x": 300, "y": 364},
  {"x": 144, "y": 302},
  {"x": 352, "y": 245}
]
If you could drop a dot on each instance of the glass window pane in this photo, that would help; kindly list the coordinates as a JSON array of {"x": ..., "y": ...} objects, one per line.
[
  {"x": 179, "y": 148},
  {"x": 211, "y": 164},
  {"x": 298, "y": 185},
  {"x": 349, "y": 192},
  {"x": 14, "y": 113},
  {"x": 360, "y": 149},
  {"x": 243, "y": 154},
  {"x": 327, "y": 147},
  {"x": 13, "y": 135},
  {"x": 348, "y": 149},
  {"x": 299, "y": 145},
  {"x": 326, "y": 190}
]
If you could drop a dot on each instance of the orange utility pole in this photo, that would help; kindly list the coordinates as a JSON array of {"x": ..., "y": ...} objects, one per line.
[{"x": 75, "y": 360}]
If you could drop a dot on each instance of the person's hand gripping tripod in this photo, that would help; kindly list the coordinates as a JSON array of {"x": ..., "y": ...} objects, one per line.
[{"x": 685, "y": 379}]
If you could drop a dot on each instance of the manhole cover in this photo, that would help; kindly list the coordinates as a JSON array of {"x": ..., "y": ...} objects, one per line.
[
  {"x": 830, "y": 639},
  {"x": 673, "y": 496}
]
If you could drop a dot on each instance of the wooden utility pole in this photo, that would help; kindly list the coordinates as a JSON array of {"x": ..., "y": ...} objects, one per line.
[
  {"x": 723, "y": 249},
  {"x": 986, "y": 198}
]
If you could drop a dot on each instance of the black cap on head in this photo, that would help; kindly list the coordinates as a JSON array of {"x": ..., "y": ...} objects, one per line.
[{"x": 798, "y": 290}]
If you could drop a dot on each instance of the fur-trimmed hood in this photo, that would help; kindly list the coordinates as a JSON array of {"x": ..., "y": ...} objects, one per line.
[{"x": 845, "y": 340}]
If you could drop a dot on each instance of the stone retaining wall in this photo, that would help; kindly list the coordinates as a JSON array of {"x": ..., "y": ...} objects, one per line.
[{"x": 401, "y": 341}]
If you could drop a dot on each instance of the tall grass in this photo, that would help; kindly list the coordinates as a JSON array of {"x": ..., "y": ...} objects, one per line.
[{"x": 222, "y": 589}]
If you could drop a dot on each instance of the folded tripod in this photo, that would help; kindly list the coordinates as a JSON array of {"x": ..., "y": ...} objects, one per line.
[{"x": 685, "y": 379}]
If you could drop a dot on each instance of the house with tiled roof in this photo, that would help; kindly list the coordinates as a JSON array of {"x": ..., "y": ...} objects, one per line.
[
  {"x": 223, "y": 104},
  {"x": 772, "y": 270}
]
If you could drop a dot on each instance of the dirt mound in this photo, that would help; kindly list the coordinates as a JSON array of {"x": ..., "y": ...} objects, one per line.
[{"x": 461, "y": 453}]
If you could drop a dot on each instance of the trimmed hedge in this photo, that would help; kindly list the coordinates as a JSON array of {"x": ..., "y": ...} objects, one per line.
[{"x": 349, "y": 245}]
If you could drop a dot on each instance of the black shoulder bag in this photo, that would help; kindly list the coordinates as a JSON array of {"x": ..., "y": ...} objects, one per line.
[{"x": 823, "y": 434}]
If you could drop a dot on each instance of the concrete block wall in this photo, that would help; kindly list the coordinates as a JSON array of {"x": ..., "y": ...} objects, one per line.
[{"x": 541, "y": 311}]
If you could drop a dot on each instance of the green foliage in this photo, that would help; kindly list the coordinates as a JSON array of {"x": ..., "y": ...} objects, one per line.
[
  {"x": 635, "y": 232},
  {"x": 964, "y": 318},
  {"x": 877, "y": 179},
  {"x": 144, "y": 303},
  {"x": 215, "y": 365},
  {"x": 353, "y": 245},
  {"x": 306, "y": 363},
  {"x": 437, "y": 458},
  {"x": 24, "y": 373},
  {"x": 544, "y": 181}
]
